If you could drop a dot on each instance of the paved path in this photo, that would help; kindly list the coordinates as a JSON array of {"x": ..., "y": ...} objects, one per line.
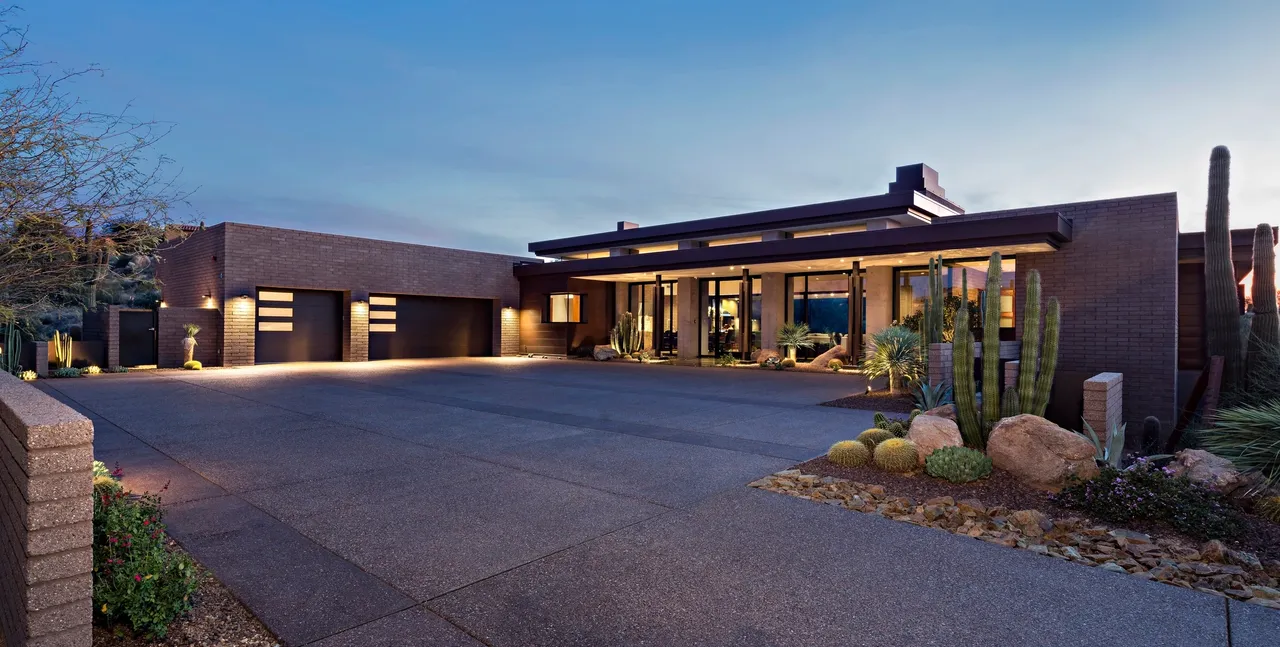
[{"x": 541, "y": 502}]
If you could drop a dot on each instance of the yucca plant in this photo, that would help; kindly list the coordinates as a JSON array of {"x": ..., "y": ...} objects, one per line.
[
  {"x": 894, "y": 352},
  {"x": 929, "y": 396},
  {"x": 1249, "y": 437},
  {"x": 1110, "y": 452},
  {"x": 793, "y": 336}
]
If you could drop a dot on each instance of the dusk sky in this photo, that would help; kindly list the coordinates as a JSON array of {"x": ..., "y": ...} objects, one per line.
[{"x": 486, "y": 125}]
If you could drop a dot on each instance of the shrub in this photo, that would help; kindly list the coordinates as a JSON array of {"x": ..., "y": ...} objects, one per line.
[
  {"x": 1144, "y": 492},
  {"x": 835, "y": 365},
  {"x": 90, "y": 370},
  {"x": 788, "y": 363},
  {"x": 28, "y": 376},
  {"x": 1268, "y": 507},
  {"x": 645, "y": 356},
  {"x": 896, "y": 455},
  {"x": 873, "y": 437},
  {"x": 193, "y": 365},
  {"x": 773, "y": 363},
  {"x": 137, "y": 580},
  {"x": 928, "y": 396},
  {"x": 191, "y": 329},
  {"x": 626, "y": 356},
  {"x": 117, "y": 369},
  {"x": 65, "y": 372},
  {"x": 1249, "y": 437},
  {"x": 849, "y": 453},
  {"x": 792, "y": 337},
  {"x": 895, "y": 353},
  {"x": 957, "y": 464}
]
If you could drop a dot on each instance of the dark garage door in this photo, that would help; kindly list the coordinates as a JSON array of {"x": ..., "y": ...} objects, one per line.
[
  {"x": 298, "y": 326},
  {"x": 405, "y": 327}
]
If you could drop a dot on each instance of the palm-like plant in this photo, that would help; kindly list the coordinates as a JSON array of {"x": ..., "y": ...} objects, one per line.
[
  {"x": 1249, "y": 437},
  {"x": 894, "y": 352},
  {"x": 929, "y": 396},
  {"x": 792, "y": 336}
]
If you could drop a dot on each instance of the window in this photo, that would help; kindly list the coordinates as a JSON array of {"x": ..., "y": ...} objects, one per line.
[
  {"x": 912, "y": 285},
  {"x": 564, "y": 307}
]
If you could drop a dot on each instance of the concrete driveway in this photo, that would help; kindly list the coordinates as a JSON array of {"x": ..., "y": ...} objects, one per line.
[{"x": 542, "y": 502}]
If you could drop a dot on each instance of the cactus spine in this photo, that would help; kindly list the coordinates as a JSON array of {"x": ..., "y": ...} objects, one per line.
[
  {"x": 1048, "y": 359},
  {"x": 963, "y": 389},
  {"x": 991, "y": 342},
  {"x": 1029, "y": 362},
  {"x": 1223, "y": 306},
  {"x": 1265, "y": 333},
  {"x": 625, "y": 336}
]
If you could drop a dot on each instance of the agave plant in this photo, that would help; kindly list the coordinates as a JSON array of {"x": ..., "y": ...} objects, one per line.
[
  {"x": 929, "y": 396},
  {"x": 1249, "y": 437},
  {"x": 793, "y": 336},
  {"x": 1110, "y": 452},
  {"x": 894, "y": 352}
]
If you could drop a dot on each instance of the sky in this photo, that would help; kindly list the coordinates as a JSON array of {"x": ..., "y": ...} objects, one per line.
[{"x": 486, "y": 125}]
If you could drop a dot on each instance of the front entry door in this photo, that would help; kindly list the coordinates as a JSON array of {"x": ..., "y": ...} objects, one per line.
[{"x": 137, "y": 338}]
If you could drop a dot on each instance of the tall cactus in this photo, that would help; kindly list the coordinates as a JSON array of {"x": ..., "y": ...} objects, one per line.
[
  {"x": 963, "y": 389},
  {"x": 12, "y": 349},
  {"x": 933, "y": 320},
  {"x": 991, "y": 343},
  {"x": 60, "y": 349},
  {"x": 1029, "y": 362},
  {"x": 1009, "y": 403},
  {"x": 1048, "y": 359},
  {"x": 1265, "y": 332},
  {"x": 625, "y": 336},
  {"x": 1223, "y": 305}
]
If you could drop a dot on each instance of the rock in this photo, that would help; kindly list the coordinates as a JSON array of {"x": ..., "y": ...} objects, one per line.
[
  {"x": 819, "y": 363},
  {"x": 1213, "y": 471},
  {"x": 604, "y": 353},
  {"x": 930, "y": 433},
  {"x": 1247, "y": 560},
  {"x": 947, "y": 411},
  {"x": 1214, "y": 551},
  {"x": 760, "y": 356},
  {"x": 1040, "y": 453},
  {"x": 1130, "y": 536},
  {"x": 1114, "y": 568},
  {"x": 1031, "y": 523}
]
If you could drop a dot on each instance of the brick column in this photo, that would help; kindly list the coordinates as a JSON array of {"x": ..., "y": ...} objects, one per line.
[
  {"x": 358, "y": 344},
  {"x": 111, "y": 335},
  {"x": 1011, "y": 370},
  {"x": 940, "y": 364},
  {"x": 1104, "y": 402},
  {"x": 687, "y": 311},
  {"x": 510, "y": 322},
  {"x": 46, "y": 520},
  {"x": 42, "y": 359},
  {"x": 238, "y": 331}
]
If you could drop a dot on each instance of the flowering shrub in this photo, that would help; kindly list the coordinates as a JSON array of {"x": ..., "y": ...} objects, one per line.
[
  {"x": 1144, "y": 492},
  {"x": 137, "y": 580}
]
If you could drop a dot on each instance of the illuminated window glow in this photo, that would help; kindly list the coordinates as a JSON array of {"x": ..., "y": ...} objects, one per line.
[
  {"x": 275, "y": 312},
  {"x": 382, "y": 314},
  {"x": 564, "y": 308},
  {"x": 275, "y": 326},
  {"x": 382, "y": 327},
  {"x": 267, "y": 295},
  {"x": 382, "y": 301}
]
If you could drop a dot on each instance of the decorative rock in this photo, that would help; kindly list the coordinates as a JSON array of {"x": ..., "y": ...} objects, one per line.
[
  {"x": 604, "y": 353},
  {"x": 1040, "y": 453},
  {"x": 947, "y": 411},
  {"x": 760, "y": 356},
  {"x": 820, "y": 362},
  {"x": 931, "y": 433},
  {"x": 1213, "y": 471},
  {"x": 1214, "y": 551}
]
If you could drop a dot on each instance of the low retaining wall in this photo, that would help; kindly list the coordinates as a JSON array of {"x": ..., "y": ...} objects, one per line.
[
  {"x": 170, "y": 335},
  {"x": 46, "y": 519}
]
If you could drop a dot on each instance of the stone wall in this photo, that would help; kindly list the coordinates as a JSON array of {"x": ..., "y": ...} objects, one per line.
[{"x": 46, "y": 519}]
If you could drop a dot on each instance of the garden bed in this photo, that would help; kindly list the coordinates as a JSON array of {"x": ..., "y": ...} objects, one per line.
[
  {"x": 875, "y": 401},
  {"x": 217, "y": 619},
  {"x": 1002, "y": 511}
]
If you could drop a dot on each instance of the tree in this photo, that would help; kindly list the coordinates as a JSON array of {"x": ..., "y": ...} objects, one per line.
[{"x": 79, "y": 189}]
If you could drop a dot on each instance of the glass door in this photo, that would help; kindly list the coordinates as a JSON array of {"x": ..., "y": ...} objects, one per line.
[{"x": 725, "y": 324}]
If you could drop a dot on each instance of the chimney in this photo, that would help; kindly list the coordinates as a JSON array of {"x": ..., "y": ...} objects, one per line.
[
  {"x": 917, "y": 177},
  {"x": 624, "y": 225}
]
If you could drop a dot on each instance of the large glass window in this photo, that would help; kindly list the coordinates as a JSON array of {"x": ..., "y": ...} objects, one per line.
[
  {"x": 912, "y": 287},
  {"x": 563, "y": 307},
  {"x": 642, "y": 302},
  {"x": 822, "y": 302},
  {"x": 725, "y": 321}
]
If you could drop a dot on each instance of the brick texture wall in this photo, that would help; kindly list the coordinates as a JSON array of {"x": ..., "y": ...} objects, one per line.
[
  {"x": 171, "y": 333},
  {"x": 46, "y": 519},
  {"x": 1117, "y": 281},
  {"x": 190, "y": 268}
]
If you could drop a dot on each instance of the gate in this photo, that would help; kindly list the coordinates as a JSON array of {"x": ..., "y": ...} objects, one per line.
[{"x": 137, "y": 337}]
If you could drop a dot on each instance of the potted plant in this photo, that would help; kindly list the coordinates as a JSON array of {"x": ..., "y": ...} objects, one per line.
[{"x": 189, "y": 343}]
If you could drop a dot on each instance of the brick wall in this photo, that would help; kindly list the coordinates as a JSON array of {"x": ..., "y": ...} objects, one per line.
[
  {"x": 190, "y": 268},
  {"x": 171, "y": 333},
  {"x": 1117, "y": 281},
  {"x": 510, "y": 331},
  {"x": 46, "y": 519}
]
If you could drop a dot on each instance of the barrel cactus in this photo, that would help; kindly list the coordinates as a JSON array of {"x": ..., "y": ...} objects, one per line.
[
  {"x": 1222, "y": 303},
  {"x": 957, "y": 464},
  {"x": 896, "y": 455},
  {"x": 873, "y": 437},
  {"x": 849, "y": 453}
]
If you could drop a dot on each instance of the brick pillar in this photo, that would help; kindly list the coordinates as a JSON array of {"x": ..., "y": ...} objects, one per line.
[
  {"x": 1104, "y": 402},
  {"x": 358, "y": 342},
  {"x": 510, "y": 322},
  {"x": 42, "y": 359},
  {"x": 1011, "y": 370},
  {"x": 940, "y": 364},
  {"x": 238, "y": 331},
  {"x": 112, "y": 335},
  {"x": 46, "y": 520}
]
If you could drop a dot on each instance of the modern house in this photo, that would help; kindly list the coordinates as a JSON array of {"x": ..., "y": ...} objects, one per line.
[{"x": 1130, "y": 286}]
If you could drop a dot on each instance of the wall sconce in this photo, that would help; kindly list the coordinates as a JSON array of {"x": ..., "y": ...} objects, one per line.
[
  {"x": 243, "y": 296},
  {"x": 163, "y": 304}
]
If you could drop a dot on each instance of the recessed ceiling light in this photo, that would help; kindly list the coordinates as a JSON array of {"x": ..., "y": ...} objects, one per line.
[{"x": 859, "y": 258}]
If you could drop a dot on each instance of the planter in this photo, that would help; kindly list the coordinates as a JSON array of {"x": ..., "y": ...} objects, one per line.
[{"x": 188, "y": 349}]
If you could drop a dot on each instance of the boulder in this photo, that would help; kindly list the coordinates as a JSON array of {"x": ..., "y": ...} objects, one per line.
[
  {"x": 930, "y": 433},
  {"x": 1040, "y": 453},
  {"x": 835, "y": 352},
  {"x": 947, "y": 411},
  {"x": 761, "y": 355},
  {"x": 1212, "y": 471},
  {"x": 604, "y": 353}
]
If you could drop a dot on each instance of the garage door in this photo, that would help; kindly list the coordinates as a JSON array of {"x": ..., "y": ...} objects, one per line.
[
  {"x": 404, "y": 327},
  {"x": 298, "y": 326}
]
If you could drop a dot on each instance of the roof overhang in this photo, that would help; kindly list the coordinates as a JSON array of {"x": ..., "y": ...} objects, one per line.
[
  {"x": 1191, "y": 245},
  {"x": 1047, "y": 231},
  {"x": 909, "y": 205}
]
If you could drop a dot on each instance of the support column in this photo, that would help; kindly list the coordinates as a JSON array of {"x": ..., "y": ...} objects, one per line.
[
  {"x": 773, "y": 307},
  {"x": 879, "y": 285},
  {"x": 1104, "y": 403},
  {"x": 687, "y": 311},
  {"x": 744, "y": 316},
  {"x": 657, "y": 315},
  {"x": 853, "y": 340},
  {"x": 358, "y": 341}
]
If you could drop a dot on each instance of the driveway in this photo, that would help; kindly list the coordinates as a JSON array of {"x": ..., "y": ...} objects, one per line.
[{"x": 543, "y": 502}]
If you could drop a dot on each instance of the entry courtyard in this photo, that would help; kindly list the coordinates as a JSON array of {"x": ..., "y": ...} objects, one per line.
[{"x": 554, "y": 502}]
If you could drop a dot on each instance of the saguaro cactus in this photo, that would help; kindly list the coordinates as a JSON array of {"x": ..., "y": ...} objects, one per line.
[
  {"x": 1048, "y": 359},
  {"x": 1223, "y": 306},
  {"x": 991, "y": 343},
  {"x": 934, "y": 305},
  {"x": 1029, "y": 362},
  {"x": 963, "y": 389},
  {"x": 1265, "y": 332}
]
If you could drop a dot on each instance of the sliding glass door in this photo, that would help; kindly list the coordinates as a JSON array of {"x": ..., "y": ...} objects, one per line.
[
  {"x": 726, "y": 324},
  {"x": 642, "y": 302}
]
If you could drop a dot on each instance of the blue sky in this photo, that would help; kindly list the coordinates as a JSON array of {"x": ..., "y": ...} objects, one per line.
[{"x": 486, "y": 125}]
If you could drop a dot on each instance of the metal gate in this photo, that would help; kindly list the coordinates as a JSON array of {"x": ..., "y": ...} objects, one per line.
[{"x": 137, "y": 338}]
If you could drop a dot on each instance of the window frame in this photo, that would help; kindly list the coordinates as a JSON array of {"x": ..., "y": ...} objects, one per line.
[{"x": 582, "y": 307}]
